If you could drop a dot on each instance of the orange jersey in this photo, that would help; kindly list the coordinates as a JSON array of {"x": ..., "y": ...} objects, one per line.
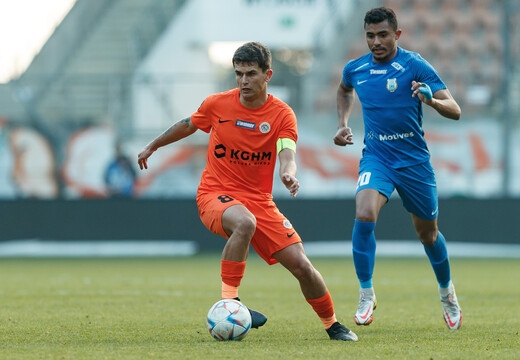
[{"x": 242, "y": 146}]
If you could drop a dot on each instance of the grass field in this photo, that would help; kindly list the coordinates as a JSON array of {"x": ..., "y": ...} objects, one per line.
[{"x": 156, "y": 308}]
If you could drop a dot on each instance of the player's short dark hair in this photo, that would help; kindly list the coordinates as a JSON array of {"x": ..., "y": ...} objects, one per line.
[
  {"x": 380, "y": 14},
  {"x": 253, "y": 52}
]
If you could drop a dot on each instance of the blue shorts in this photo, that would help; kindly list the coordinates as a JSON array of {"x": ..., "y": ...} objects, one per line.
[{"x": 415, "y": 185}]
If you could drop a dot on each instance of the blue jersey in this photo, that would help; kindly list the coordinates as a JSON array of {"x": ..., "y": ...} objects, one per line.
[{"x": 392, "y": 117}]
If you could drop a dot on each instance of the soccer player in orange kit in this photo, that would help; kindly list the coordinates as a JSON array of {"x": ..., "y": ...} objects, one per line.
[{"x": 248, "y": 127}]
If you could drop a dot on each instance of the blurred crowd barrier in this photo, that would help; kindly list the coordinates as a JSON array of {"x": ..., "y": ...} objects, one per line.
[{"x": 466, "y": 157}]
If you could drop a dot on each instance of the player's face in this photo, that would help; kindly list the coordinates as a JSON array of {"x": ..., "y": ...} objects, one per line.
[
  {"x": 382, "y": 41},
  {"x": 252, "y": 83}
]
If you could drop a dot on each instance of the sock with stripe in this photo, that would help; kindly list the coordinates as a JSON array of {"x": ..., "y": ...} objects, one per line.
[
  {"x": 232, "y": 273},
  {"x": 324, "y": 307}
]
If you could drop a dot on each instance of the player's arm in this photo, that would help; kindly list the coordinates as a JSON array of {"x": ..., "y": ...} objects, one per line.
[
  {"x": 176, "y": 132},
  {"x": 286, "y": 153},
  {"x": 344, "y": 104},
  {"x": 441, "y": 100}
]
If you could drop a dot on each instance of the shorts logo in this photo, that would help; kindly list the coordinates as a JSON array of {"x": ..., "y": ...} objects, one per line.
[
  {"x": 287, "y": 224},
  {"x": 245, "y": 124},
  {"x": 264, "y": 127},
  {"x": 391, "y": 84}
]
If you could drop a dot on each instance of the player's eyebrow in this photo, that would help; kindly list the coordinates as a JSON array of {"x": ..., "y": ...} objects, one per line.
[
  {"x": 250, "y": 72},
  {"x": 382, "y": 32}
]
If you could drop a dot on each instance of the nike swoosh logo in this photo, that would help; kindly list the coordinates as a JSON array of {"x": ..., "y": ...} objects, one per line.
[
  {"x": 291, "y": 234},
  {"x": 366, "y": 315},
  {"x": 434, "y": 212},
  {"x": 222, "y": 121},
  {"x": 361, "y": 82},
  {"x": 452, "y": 324}
]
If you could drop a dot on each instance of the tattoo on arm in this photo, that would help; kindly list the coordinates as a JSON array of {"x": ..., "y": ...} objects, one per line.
[{"x": 181, "y": 122}]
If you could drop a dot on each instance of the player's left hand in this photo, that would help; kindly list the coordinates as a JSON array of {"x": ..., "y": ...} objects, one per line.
[
  {"x": 291, "y": 183},
  {"x": 423, "y": 91},
  {"x": 142, "y": 158}
]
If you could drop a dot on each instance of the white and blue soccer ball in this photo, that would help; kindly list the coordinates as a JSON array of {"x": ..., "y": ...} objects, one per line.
[{"x": 228, "y": 319}]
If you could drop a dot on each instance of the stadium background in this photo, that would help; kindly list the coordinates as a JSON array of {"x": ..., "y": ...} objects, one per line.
[{"x": 116, "y": 73}]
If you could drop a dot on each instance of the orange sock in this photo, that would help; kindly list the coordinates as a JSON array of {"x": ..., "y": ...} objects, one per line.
[
  {"x": 232, "y": 273},
  {"x": 324, "y": 307}
]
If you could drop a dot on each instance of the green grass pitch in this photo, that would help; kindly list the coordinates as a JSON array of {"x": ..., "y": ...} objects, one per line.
[{"x": 155, "y": 308}]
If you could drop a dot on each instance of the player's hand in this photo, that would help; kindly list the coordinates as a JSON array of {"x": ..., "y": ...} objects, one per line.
[
  {"x": 423, "y": 91},
  {"x": 343, "y": 137},
  {"x": 291, "y": 183},
  {"x": 143, "y": 157}
]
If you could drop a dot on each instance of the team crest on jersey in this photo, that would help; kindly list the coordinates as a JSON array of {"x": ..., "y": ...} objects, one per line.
[
  {"x": 264, "y": 127},
  {"x": 391, "y": 84},
  {"x": 287, "y": 224}
]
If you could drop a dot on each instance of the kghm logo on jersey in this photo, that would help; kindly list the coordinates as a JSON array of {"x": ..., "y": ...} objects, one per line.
[
  {"x": 242, "y": 157},
  {"x": 391, "y": 84}
]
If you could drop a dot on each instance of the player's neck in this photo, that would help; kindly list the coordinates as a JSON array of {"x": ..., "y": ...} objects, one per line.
[{"x": 255, "y": 102}]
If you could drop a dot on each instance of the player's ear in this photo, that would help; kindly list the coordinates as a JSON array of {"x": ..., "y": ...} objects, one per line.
[
  {"x": 269, "y": 74},
  {"x": 398, "y": 34}
]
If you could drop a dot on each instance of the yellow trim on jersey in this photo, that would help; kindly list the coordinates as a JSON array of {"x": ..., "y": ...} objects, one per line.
[{"x": 285, "y": 143}]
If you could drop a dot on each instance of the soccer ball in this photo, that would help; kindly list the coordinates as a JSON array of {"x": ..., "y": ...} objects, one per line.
[{"x": 228, "y": 319}]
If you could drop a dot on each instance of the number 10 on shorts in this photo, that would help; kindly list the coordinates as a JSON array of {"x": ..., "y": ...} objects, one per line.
[{"x": 363, "y": 179}]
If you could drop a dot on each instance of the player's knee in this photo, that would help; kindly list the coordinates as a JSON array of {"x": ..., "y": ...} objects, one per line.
[
  {"x": 366, "y": 215},
  {"x": 246, "y": 226},
  {"x": 427, "y": 236},
  {"x": 304, "y": 271}
]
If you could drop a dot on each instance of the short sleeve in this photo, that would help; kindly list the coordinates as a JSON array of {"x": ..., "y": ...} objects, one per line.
[
  {"x": 289, "y": 127},
  {"x": 201, "y": 118},
  {"x": 425, "y": 73},
  {"x": 346, "y": 74}
]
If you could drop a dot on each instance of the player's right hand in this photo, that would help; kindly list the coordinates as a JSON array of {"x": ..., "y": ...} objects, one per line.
[
  {"x": 143, "y": 157},
  {"x": 343, "y": 136}
]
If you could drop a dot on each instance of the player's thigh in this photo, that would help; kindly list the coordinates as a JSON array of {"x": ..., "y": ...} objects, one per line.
[
  {"x": 368, "y": 204},
  {"x": 211, "y": 209},
  {"x": 418, "y": 191}
]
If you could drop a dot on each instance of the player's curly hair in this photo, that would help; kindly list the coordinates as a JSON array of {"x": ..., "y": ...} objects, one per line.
[
  {"x": 380, "y": 14},
  {"x": 253, "y": 52}
]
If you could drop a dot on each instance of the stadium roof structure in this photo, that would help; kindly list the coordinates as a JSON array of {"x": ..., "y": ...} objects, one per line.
[{"x": 82, "y": 72}]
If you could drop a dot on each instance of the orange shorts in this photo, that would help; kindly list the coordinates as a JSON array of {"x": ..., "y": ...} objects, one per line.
[{"x": 273, "y": 231}]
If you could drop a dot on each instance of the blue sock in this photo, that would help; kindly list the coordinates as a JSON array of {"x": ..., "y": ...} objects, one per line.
[
  {"x": 438, "y": 255},
  {"x": 364, "y": 251}
]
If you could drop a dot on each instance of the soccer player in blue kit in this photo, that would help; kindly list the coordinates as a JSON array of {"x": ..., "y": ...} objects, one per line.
[{"x": 392, "y": 85}]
